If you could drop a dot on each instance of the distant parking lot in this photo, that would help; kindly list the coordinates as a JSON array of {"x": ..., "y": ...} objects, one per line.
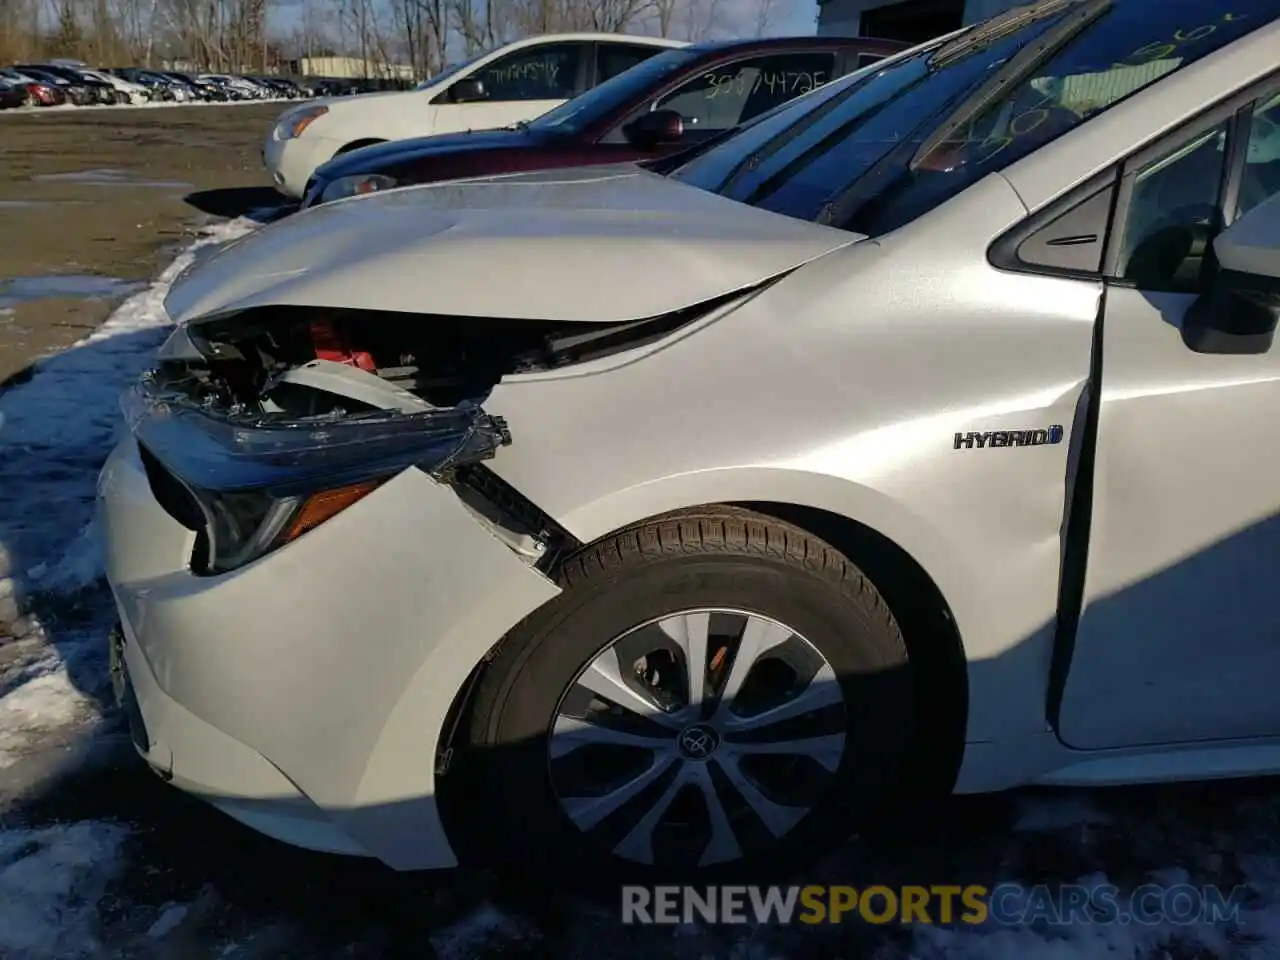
[{"x": 108, "y": 193}]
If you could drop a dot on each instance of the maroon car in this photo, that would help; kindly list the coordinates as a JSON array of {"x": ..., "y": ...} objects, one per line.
[
  {"x": 664, "y": 105},
  {"x": 35, "y": 92}
]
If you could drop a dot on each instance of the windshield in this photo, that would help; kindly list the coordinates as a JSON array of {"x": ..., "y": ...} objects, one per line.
[
  {"x": 875, "y": 150},
  {"x": 448, "y": 72},
  {"x": 579, "y": 113}
]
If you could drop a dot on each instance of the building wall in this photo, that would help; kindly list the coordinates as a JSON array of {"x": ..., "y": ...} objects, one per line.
[
  {"x": 352, "y": 68},
  {"x": 840, "y": 18}
]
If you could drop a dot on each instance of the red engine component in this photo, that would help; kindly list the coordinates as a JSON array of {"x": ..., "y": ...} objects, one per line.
[{"x": 329, "y": 344}]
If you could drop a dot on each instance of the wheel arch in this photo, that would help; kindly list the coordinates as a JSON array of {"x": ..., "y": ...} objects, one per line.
[{"x": 929, "y": 627}]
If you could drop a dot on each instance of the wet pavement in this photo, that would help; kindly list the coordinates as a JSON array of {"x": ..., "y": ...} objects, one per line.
[
  {"x": 16, "y": 290},
  {"x": 109, "y": 195},
  {"x": 108, "y": 177}
]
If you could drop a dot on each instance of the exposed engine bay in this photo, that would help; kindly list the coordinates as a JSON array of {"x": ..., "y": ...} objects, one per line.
[{"x": 247, "y": 365}]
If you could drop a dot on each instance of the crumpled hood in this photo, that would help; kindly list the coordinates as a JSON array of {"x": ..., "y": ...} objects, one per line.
[{"x": 594, "y": 244}]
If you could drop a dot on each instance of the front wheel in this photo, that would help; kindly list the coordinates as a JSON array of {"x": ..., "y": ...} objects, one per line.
[{"x": 713, "y": 693}]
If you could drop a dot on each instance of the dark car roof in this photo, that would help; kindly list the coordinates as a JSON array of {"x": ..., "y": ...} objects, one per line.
[{"x": 868, "y": 44}]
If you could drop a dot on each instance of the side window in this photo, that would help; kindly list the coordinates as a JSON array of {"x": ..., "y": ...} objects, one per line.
[
  {"x": 1261, "y": 178},
  {"x": 1174, "y": 214},
  {"x": 615, "y": 58},
  {"x": 534, "y": 73},
  {"x": 734, "y": 93},
  {"x": 866, "y": 59},
  {"x": 1069, "y": 237}
]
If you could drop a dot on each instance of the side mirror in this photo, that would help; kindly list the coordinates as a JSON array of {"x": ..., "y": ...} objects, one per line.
[
  {"x": 654, "y": 129},
  {"x": 468, "y": 90},
  {"x": 1240, "y": 311}
]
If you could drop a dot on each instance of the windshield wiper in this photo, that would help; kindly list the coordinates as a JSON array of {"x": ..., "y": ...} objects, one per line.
[
  {"x": 906, "y": 157},
  {"x": 984, "y": 34},
  {"x": 1026, "y": 60}
]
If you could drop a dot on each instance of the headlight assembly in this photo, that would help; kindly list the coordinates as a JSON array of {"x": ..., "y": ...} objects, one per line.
[
  {"x": 355, "y": 186},
  {"x": 291, "y": 125},
  {"x": 242, "y": 526},
  {"x": 249, "y": 486}
]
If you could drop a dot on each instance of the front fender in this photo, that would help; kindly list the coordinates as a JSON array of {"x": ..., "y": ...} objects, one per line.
[{"x": 841, "y": 387}]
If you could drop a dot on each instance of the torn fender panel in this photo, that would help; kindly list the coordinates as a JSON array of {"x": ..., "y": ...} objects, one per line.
[{"x": 593, "y": 246}]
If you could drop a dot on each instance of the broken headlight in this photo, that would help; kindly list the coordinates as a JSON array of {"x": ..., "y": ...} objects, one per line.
[
  {"x": 249, "y": 486},
  {"x": 241, "y": 526}
]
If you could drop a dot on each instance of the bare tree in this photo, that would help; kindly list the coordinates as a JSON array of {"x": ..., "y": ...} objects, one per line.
[
  {"x": 471, "y": 25},
  {"x": 19, "y": 29},
  {"x": 764, "y": 16},
  {"x": 427, "y": 34},
  {"x": 664, "y": 14},
  {"x": 701, "y": 19},
  {"x": 615, "y": 16}
]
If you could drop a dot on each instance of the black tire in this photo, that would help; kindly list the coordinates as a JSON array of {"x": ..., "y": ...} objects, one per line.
[{"x": 715, "y": 557}]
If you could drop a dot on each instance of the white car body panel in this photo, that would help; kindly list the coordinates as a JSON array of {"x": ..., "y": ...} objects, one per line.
[
  {"x": 359, "y": 796},
  {"x": 411, "y": 113},
  {"x": 896, "y": 473},
  {"x": 656, "y": 246}
]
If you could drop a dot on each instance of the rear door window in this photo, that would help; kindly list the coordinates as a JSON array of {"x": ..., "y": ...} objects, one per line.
[{"x": 534, "y": 73}]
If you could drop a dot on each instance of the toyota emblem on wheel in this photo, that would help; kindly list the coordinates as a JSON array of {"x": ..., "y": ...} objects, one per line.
[{"x": 699, "y": 741}]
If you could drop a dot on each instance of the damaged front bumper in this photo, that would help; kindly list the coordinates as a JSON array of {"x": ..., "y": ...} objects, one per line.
[{"x": 302, "y": 683}]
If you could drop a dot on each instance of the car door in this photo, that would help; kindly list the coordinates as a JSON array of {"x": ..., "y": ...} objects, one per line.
[
  {"x": 1178, "y": 636},
  {"x": 725, "y": 95},
  {"x": 519, "y": 86}
]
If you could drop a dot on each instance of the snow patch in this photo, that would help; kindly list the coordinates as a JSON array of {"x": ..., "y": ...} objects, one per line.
[
  {"x": 46, "y": 703},
  {"x": 170, "y": 917},
  {"x": 56, "y": 429},
  {"x": 1052, "y": 812},
  {"x": 50, "y": 881},
  {"x": 480, "y": 933},
  {"x": 1259, "y": 926}
]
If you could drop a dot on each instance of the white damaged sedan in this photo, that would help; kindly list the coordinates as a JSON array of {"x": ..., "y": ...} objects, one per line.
[{"x": 677, "y": 519}]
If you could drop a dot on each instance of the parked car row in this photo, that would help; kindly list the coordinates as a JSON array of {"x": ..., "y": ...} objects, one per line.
[
  {"x": 558, "y": 99},
  {"x": 349, "y": 87},
  {"x": 71, "y": 82},
  {"x": 672, "y": 520},
  {"x": 668, "y": 104}
]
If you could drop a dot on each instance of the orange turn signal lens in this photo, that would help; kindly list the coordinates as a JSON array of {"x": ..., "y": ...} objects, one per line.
[
  {"x": 305, "y": 120},
  {"x": 319, "y": 507}
]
